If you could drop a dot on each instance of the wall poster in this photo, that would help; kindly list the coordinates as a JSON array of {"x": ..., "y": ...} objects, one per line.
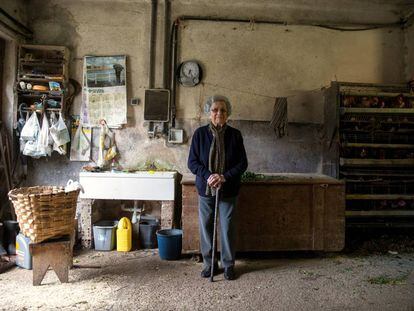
[{"x": 104, "y": 93}]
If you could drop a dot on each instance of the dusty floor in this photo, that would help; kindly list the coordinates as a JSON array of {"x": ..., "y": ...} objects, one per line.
[{"x": 141, "y": 281}]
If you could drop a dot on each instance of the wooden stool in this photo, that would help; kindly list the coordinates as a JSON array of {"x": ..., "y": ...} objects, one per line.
[{"x": 55, "y": 254}]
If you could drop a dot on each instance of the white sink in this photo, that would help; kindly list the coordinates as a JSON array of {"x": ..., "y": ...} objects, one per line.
[{"x": 146, "y": 185}]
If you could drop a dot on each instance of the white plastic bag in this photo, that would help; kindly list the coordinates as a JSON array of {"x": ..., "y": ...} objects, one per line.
[
  {"x": 30, "y": 149},
  {"x": 33, "y": 149},
  {"x": 31, "y": 128},
  {"x": 55, "y": 147},
  {"x": 43, "y": 141},
  {"x": 59, "y": 132},
  {"x": 31, "y": 136},
  {"x": 73, "y": 185}
]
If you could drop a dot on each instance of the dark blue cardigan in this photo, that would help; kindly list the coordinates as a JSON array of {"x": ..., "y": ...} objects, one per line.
[{"x": 235, "y": 164}]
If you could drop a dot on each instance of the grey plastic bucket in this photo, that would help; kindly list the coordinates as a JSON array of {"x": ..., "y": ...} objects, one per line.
[
  {"x": 104, "y": 232},
  {"x": 147, "y": 232}
]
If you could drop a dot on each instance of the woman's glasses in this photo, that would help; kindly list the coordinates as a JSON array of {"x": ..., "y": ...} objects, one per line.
[{"x": 216, "y": 110}]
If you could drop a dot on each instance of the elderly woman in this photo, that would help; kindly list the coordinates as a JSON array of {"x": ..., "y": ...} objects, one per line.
[{"x": 218, "y": 159}]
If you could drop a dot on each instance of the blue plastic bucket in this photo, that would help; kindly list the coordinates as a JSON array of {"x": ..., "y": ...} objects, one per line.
[{"x": 169, "y": 243}]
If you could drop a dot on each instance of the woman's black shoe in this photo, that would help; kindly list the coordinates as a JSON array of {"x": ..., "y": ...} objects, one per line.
[
  {"x": 229, "y": 273},
  {"x": 206, "y": 273}
]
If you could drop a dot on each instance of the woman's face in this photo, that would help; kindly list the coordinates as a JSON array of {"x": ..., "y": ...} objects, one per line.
[{"x": 218, "y": 113}]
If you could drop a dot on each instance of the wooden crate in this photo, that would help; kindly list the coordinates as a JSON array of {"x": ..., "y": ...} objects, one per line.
[{"x": 293, "y": 212}]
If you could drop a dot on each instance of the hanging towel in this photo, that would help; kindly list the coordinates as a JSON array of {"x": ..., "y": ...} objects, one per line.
[{"x": 279, "y": 117}]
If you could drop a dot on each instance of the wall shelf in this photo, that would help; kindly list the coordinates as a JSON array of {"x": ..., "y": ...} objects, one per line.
[
  {"x": 407, "y": 111},
  {"x": 376, "y": 173},
  {"x": 372, "y": 150},
  {"x": 379, "y": 196},
  {"x": 372, "y": 145},
  {"x": 376, "y": 162},
  {"x": 377, "y": 94},
  {"x": 41, "y": 79},
  {"x": 378, "y": 213},
  {"x": 39, "y": 65}
]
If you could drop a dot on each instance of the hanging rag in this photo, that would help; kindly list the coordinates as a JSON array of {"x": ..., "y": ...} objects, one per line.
[
  {"x": 106, "y": 154},
  {"x": 279, "y": 117},
  {"x": 217, "y": 156},
  {"x": 80, "y": 148}
]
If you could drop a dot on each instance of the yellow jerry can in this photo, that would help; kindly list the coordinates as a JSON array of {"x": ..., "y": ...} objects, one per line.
[{"x": 124, "y": 235}]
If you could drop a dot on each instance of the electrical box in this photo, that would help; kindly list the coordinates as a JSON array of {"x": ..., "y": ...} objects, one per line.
[
  {"x": 176, "y": 136},
  {"x": 157, "y": 105}
]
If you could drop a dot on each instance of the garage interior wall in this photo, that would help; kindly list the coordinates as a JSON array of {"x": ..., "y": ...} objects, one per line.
[
  {"x": 17, "y": 9},
  {"x": 251, "y": 63},
  {"x": 409, "y": 52}
]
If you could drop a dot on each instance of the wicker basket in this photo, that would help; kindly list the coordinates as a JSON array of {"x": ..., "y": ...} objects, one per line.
[{"x": 44, "y": 212}]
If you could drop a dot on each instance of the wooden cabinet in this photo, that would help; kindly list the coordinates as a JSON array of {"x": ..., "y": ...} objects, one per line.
[
  {"x": 371, "y": 131},
  {"x": 289, "y": 212},
  {"x": 42, "y": 78}
]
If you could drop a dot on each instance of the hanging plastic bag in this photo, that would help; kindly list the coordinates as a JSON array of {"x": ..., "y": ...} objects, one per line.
[
  {"x": 32, "y": 149},
  {"x": 80, "y": 148},
  {"x": 31, "y": 129},
  {"x": 31, "y": 135},
  {"x": 20, "y": 125},
  {"x": 43, "y": 145},
  {"x": 59, "y": 132},
  {"x": 73, "y": 185},
  {"x": 53, "y": 122},
  {"x": 23, "y": 118}
]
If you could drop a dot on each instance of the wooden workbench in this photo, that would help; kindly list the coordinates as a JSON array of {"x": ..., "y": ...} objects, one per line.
[{"x": 289, "y": 212}]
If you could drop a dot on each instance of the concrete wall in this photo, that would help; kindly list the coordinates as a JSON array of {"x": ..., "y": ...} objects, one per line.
[
  {"x": 17, "y": 9},
  {"x": 409, "y": 52},
  {"x": 250, "y": 63},
  {"x": 253, "y": 64}
]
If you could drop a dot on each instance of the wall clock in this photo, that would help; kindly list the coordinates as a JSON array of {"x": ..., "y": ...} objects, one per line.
[{"x": 189, "y": 73}]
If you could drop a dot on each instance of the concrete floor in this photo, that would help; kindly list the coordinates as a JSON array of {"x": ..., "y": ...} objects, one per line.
[{"x": 139, "y": 280}]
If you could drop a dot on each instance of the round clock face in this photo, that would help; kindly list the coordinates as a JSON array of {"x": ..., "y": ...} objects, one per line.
[{"x": 189, "y": 73}]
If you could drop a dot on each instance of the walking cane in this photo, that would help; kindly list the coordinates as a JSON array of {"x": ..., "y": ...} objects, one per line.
[{"x": 213, "y": 252}]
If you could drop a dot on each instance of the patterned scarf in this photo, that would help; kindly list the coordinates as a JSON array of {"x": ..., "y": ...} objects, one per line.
[{"x": 217, "y": 155}]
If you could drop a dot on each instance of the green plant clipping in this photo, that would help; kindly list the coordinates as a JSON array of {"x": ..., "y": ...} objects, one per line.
[
  {"x": 386, "y": 280},
  {"x": 151, "y": 165},
  {"x": 250, "y": 176}
]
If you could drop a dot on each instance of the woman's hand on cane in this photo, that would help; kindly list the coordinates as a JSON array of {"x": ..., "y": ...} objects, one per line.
[{"x": 216, "y": 180}]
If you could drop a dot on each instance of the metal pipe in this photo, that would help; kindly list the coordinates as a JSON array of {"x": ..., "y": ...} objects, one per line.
[
  {"x": 27, "y": 31},
  {"x": 231, "y": 20},
  {"x": 174, "y": 36},
  {"x": 167, "y": 18},
  {"x": 151, "y": 76},
  {"x": 16, "y": 31},
  {"x": 400, "y": 23}
]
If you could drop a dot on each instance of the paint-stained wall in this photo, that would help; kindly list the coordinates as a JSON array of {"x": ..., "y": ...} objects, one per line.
[
  {"x": 249, "y": 62},
  {"x": 409, "y": 52},
  {"x": 253, "y": 64}
]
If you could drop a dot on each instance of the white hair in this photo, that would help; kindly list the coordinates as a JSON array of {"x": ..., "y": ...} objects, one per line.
[{"x": 217, "y": 98}]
